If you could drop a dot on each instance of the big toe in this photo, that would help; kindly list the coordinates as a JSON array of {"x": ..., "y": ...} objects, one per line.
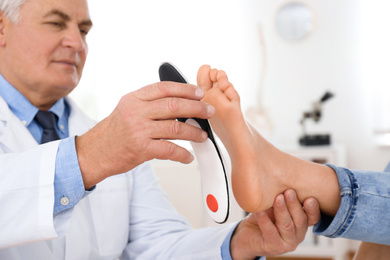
[{"x": 203, "y": 78}]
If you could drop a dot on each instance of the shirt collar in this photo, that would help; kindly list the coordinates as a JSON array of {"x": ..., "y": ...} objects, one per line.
[{"x": 22, "y": 107}]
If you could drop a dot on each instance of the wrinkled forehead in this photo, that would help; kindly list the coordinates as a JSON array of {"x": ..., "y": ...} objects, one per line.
[{"x": 74, "y": 9}]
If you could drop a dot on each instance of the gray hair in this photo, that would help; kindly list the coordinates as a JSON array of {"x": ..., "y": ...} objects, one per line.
[{"x": 10, "y": 8}]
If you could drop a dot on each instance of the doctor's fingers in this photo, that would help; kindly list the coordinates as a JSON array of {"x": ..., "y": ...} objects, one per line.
[
  {"x": 284, "y": 222},
  {"x": 175, "y": 130},
  {"x": 274, "y": 242},
  {"x": 299, "y": 218},
  {"x": 312, "y": 210},
  {"x": 169, "y": 89},
  {"x": 172, "y": 108},
  {"x": 166, "y": 150}
]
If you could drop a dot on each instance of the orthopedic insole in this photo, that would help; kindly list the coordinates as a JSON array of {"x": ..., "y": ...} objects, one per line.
[{"x": 215, "y": 192}]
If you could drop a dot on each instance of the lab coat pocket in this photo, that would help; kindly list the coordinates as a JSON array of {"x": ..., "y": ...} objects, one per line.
[{"x": 110, "y": 214}]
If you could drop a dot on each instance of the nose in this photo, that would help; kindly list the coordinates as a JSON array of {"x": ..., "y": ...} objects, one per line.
[{"x": 74, "y": 39}]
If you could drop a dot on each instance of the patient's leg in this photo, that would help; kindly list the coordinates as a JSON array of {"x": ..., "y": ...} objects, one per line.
[{"x": 259, "y": 170}]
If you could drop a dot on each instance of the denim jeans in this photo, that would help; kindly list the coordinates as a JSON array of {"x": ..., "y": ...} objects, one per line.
[{"x": 364, "y": 213}]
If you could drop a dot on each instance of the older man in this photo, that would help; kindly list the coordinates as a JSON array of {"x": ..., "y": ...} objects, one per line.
[{"x": 56, "y": 200}]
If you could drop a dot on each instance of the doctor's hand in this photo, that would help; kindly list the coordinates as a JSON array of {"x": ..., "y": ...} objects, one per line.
[
  {"x": 276, "y": 231},
  {"x": 139, "y": 130}
]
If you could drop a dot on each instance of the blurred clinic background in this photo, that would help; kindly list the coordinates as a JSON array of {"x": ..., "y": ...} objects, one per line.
[{"x": 281, "y": 55}]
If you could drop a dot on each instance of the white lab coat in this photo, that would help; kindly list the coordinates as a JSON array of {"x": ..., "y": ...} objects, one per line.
[{"x": 127, "y": 216}]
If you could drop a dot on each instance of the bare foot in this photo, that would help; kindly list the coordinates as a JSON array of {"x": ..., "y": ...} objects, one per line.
[
  {"x": 250, "y": 185},
  {"x": 259, "y": 170}
]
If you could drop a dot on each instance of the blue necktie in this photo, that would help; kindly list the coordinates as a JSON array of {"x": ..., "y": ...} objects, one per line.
[{"x": 47, "y": 120}]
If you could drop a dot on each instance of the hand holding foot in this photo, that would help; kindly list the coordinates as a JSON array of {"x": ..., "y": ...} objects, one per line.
[{"x": 276, "y": 231}]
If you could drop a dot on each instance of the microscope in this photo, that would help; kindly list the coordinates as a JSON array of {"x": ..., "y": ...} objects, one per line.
[{"x": 315, "y": 115}]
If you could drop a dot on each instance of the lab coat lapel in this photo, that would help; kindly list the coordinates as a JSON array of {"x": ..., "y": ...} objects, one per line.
[
  {"x": 108, "y": 217},
  {"x": 15, "y": 135}
]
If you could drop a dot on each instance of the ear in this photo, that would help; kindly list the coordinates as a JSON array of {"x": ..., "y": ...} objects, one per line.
[{"x": 3, "y": 21}]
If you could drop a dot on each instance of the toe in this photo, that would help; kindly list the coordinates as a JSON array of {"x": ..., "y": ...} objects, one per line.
[
  {"x": 223, "y": 82},
  {"x": 232, "y": 94},
  {"x": 227, "y": 87},
  {"x": 221, "y": 74},
  {"x": 203, "y": 78},
  {"x": 213, "y": 75}
]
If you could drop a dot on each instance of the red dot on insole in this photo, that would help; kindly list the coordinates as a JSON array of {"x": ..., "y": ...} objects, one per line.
[{"x": 212, "y": 203}]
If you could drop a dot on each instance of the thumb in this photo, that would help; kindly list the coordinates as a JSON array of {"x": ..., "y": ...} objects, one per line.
[{"x": 312, "y": 210}]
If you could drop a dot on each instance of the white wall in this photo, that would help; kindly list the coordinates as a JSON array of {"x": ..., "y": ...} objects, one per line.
[
  {"x": 131, "y": 38},
  {"x": 333, "y": 57}
]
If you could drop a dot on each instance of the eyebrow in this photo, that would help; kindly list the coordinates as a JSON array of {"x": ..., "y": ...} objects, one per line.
[{"x": 66, "y": 17}]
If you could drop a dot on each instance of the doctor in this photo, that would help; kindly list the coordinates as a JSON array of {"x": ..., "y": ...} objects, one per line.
[{"x": 56, "y": 200}]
